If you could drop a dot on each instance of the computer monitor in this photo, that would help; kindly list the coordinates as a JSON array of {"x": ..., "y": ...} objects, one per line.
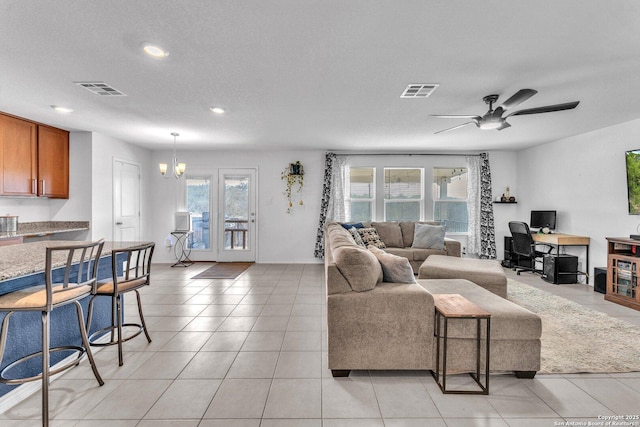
[{"x": 541, "y": 219}]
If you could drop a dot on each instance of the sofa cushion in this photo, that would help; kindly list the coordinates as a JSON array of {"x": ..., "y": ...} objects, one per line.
[
  {"x": 408, "y": 230},
  {"x": 404, "y": 252},
  {"x": 395, "y": 269},
  {"x": 509, "y": 321},
  {"x": 359, "y": 266},
  {"x": 390, "y": 233},
  {"x": 338, "y": 236},
  {"x": 422, "y": 254},
  {"x": 371, "y": 237},
  {"x": 428, "y": 236},
  {"x": 356, "y": 236}
]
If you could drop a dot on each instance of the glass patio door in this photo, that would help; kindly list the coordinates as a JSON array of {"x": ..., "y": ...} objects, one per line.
[
  {"x": 237, "y": 219},
  {"x": 199, "y": 204}
]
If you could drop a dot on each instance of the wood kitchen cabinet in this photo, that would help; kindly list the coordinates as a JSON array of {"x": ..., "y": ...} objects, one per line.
[
  {"x": 34, "y": 159},
  {"x": 53, "y": 162},
  {"x": 18, "y": 156}
]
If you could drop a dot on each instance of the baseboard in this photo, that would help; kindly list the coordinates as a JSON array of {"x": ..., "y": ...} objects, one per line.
[{"x": 280, "y": 261}]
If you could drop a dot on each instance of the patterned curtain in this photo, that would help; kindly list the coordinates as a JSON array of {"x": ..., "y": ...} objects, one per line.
[
  {"x": 482, "y": 238},
  {"x": 332, "y": 207}
]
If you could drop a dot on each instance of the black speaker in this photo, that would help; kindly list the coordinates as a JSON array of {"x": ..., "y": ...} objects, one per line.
[
  {"x": 559, "y": 269},
  {"x": 600, "y": 280}
]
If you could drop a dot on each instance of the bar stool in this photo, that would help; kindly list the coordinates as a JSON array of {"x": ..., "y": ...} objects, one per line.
[
  {"x": 76, "y": 279},
  {"x": 134, "y": 275}
]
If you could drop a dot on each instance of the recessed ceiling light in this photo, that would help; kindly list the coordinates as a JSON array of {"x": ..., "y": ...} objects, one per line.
[
  {"x": 154, "y": 50},
  {"x": 60, "y": 109},
  {"x": 217, "y": 110}
]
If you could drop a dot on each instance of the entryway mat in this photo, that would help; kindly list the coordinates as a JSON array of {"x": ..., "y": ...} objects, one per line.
[{"x": 224, "y": 270}]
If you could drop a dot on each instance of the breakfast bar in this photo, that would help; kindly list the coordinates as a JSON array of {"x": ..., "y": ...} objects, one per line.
[{"x": 21, "y": 266}]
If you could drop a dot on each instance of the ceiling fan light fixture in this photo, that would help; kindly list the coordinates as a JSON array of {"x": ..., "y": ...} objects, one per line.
[
  {"x": 217, "y": 110},
  {"x": 490, "y": 124}
]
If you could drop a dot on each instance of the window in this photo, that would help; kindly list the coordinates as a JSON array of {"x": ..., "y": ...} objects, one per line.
[
  {"x": 450, "y": 198},
  {"x": 403, "y": 194},
  {"x": 361, "y": 194},
  {"x": 198, "y": 197}
]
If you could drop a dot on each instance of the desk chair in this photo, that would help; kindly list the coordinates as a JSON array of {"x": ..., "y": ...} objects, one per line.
[
  {"x": 524, "y": 246},
  {"x": 63, "y": 285},
  {"x": 136, "y": 274}
]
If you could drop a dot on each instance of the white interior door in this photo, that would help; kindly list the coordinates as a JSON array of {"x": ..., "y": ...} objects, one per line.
[
  {"x": 237, "y": 219},
  {"x": 126, "y": 201}
]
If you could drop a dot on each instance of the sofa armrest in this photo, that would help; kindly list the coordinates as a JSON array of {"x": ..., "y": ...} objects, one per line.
[
  {"x": 452, "y": 247},
  {"x": 389, "y": 327}
]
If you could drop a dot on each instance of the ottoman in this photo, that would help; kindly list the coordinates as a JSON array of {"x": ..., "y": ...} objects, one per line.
[
  {"x": 483, "y": 272},
  {"x": 515, "y": 331}
]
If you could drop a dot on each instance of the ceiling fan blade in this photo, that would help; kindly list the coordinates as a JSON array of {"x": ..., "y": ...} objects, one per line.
[
  {"x": 547, "y": 109},
  {"x": 454, "y": 116},
  {"x": 456, "y": 127},
  {"x": 504, "y": 125},
  {"x": 518, "y": 98}
]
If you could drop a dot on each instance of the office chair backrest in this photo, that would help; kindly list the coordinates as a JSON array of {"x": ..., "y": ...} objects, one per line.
[{"x": 523, "y": 243}]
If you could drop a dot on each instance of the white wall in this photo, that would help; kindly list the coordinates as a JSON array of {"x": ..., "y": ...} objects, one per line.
[
  {"x": 282, "y": 237},
  {"x": 503, "y": 166},
  {"x": 290, "y": 237},
  {"x": 105, "y": 149},
  {"x": 584, "y": 179}
]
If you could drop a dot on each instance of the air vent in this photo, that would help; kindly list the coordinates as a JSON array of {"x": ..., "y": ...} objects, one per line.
[
  {"x": 419, "y": 90},
  {"x": 100, "y": 88}
]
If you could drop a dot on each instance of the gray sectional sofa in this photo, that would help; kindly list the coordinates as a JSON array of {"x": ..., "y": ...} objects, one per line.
[
  {"x": 375, "y": 325},
  {"x": 398, "y": 237}
]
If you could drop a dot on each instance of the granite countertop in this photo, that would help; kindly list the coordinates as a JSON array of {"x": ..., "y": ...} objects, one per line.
[
  {"x": 27, "y": 258},
  {"x": 44, "y": 228}
]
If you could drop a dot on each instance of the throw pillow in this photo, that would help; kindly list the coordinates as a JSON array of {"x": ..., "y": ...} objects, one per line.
[
  {"x": 359, "y": 266},
  {"x": 348, "y": 225},
  {"x": 428, "y": 237},
  {"x": 395, "y": 269},
  {"x": 356, "y": 236},
  {"x": 390, "y": 233},
  {"x": 370, "y": 237}
]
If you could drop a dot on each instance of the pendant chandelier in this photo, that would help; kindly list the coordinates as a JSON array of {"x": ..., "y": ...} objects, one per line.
[{"x": 177, "y": 168}]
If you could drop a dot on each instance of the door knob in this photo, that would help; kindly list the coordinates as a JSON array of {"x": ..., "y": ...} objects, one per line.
[{"x": 119, "y": 223}]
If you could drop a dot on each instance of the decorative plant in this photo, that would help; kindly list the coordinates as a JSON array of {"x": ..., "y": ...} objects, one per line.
[{"x": 293, "y": 175}]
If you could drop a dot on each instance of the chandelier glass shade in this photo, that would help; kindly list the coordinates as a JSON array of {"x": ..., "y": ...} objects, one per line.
[{"x": 177, "y": 168}]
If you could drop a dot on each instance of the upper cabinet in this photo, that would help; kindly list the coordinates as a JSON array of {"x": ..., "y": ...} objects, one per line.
[
  {"x": 53, "y": 162},
  {"x": 34, "y": 159}
]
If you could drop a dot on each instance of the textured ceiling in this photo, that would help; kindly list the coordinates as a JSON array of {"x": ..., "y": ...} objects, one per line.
[{"x": 303, "y": 74}]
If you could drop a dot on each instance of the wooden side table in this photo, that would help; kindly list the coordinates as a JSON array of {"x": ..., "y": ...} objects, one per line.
[{"x": 455, "y": 306}]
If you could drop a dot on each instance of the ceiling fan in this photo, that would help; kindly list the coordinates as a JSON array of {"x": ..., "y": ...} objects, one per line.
[{"x": 493, "y": 118}]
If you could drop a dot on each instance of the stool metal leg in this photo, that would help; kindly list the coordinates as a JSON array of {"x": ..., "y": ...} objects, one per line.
[
  {"x": 45, "y": 368},
  {"x": 85, "y": 343},
  {"x": 118, "y": 304},
  {"x": 144, "y": 324}
]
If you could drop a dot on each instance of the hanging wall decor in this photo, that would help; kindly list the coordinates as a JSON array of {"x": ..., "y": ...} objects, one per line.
[{"x": 294, "y": 176}]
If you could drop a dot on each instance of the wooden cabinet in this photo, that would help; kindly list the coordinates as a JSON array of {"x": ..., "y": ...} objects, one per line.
[
  {"x": 34, "y": 159},
  {"x": 53, "y": 162},
  {"x": 622, "y": 271},
  {"x": 18, "y": 157}
]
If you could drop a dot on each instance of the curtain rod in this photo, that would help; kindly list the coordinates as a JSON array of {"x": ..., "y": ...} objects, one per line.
[{"x": 402, "y": 154}]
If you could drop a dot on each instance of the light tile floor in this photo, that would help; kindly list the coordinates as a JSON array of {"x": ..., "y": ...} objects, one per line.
[{"x": 252, "y": 352}]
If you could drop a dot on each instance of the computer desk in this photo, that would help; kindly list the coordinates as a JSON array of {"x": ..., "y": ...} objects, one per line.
[{"x": 559, "y": 240}]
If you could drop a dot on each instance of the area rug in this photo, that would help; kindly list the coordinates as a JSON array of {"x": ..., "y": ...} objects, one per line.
[
  {"x": 576, "y": 338},
  {"x": 224, "y": 270}
]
